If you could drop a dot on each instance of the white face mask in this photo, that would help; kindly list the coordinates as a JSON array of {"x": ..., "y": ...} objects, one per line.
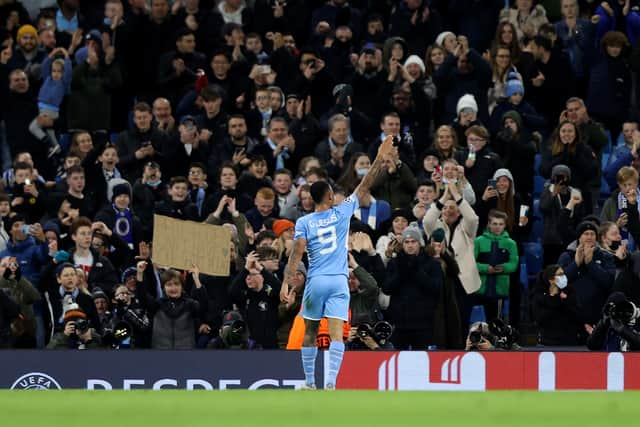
[
  {"x": 561, "y": 281},
  {"x": 362, "y": 171}
]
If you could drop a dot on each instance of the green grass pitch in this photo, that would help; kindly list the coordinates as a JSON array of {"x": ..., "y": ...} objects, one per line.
[{"x": 267, "y": 408}]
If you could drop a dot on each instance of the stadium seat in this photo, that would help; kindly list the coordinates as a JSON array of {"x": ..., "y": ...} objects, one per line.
[
  {"x": 524, "y": 275},
  {"x": 537, "y": 213},
  {"x": 537, "y": 161},
  {"x": 538, "y": 185},
  {"x": 609, "y": 147},
  {"x": 65, "y": 143},
  {"x": 533, "y": 256},
  {"x": 477, "y": 315}
]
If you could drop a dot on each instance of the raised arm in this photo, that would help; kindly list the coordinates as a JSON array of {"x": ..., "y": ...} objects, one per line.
[
  {"x": 299, "y": 246},
  {"x": 376, "y": 168}
]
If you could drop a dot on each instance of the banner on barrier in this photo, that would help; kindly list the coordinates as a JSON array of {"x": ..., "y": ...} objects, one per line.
[
  {"x": 404, "y": 370},
  {"x": 476, "y": 371},
  {"x": 157, "y": 370}
]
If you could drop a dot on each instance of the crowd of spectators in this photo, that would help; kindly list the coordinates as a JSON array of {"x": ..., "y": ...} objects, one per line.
[{"x": 513, "y": 190}]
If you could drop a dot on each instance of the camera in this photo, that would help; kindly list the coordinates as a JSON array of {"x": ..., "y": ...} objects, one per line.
[
  {"x": 475, "y": 337},
  {"x": 27, "y": 181},
  {"x": 82, "y": 326},
  {"x": 499, "y": 334},
  {"x": 624, "y": 312},
  {"x": 116, "y": 336},
  {"x": 505, "y": 335},
  {"x": 234, "y": 333},
  {"x": 380, "y": 331}
]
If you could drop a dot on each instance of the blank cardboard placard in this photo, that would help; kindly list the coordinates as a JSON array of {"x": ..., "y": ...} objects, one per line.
[{"x": 178, "y": 243}]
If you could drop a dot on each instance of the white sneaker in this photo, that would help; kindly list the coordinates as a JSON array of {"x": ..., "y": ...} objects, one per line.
[
  {"x": 331, "y": 387},
  {"x": 306, "y": 386}
]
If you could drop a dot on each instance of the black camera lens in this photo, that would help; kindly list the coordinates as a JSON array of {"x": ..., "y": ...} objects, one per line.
[
  {"x": 475, "y": 337},
  {"x": 363, "y": 330}
]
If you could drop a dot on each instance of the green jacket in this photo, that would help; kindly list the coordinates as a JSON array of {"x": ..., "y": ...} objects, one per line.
[
  {"x": 24, "y": 294},
  {"x": 495, "y": 250}
]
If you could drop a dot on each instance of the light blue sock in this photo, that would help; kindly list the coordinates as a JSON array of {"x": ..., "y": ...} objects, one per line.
[
  {"x": 336, "y": 351},
  {"x": 309, "y": 364}
]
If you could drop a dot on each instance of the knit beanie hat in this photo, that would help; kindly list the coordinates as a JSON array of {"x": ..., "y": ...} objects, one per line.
[
  {"x": 27, "y": 29},
  {"x": 443, "y": 35},
  {"x": 413, "y": 233},
  {"x": 467, "y": 101},
  {"x": 415, "y": 59},
  {"x": 586, "y": 226},
  {"x": 121, "y": 189},
  {"x": 514, "y": 85},
  {"x": 281, "y": 225},
  {"x": 302, "y": 268},
  {"x": 117, "y": 182},
  {"x": 437, "y": 235},
  {"x": 561, "y": 170}
]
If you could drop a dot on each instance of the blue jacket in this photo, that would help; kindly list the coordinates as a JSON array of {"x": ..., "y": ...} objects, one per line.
[
  {"x": 580, "y": 46},
  {"x": 30, "y": 256},
  {"x": 52, "y": 91},
  {"x": 611, "y": 170}
]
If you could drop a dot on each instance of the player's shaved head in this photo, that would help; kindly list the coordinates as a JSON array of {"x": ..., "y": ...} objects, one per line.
[{"x": 319, "y": 191}]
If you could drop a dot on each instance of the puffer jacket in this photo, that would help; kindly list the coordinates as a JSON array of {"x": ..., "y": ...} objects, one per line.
[{"x": 495, "y": 250}]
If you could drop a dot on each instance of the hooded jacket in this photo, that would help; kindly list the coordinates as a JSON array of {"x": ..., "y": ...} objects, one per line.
[
  {"x": 30, "y": 255},
  {"x": 492, "y": 250}
]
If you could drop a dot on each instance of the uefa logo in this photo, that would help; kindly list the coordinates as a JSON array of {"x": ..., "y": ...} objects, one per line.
[{"x": 35, "y": 381}]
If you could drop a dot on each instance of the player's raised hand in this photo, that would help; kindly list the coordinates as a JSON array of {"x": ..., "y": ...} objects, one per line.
[
  {"x": 284, "y": 292},
  {"x": 386, "y": 147}
]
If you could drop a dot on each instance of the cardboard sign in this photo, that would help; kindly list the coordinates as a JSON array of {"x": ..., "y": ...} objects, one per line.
[{"x": 178, "y": 244}]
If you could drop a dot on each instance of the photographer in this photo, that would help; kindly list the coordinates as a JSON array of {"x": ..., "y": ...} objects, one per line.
[
  {"x": 77, "y": 333},
  {"x": 23, "y": 293},
  {"x": 496, "y": 335},
  {"x": 617, "y": 329},
  {"x": 479, "y": 337},
  {"x": 233, "y": 335},
  {"x": 366, "y": 336},
  {"x": 129, "y": 325}
]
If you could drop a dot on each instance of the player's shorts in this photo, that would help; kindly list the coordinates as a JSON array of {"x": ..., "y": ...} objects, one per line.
[{"x": 326, "y": 296}]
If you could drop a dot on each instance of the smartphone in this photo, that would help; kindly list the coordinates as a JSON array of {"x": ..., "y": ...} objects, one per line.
[
  {"x": 576, "y": 193},
  {"x": 492, "y": 183},
  {"x": 265, "y": 69},
  {"x": 145, "y": 143},
  {"x": 25, "y": 229},
  {"x": 439, "y": 170}
]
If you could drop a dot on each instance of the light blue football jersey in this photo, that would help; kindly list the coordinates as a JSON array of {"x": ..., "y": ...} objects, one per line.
[{"x": 327, "y": 236}]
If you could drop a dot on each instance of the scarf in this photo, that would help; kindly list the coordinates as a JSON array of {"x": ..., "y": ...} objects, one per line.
[
  {"x": 371, "y": 218},
  {"x": 198, "y": 199},
  {"x": 109, "y": 175},
  {"x": 280, "y": 158},
  {"x": 124, "y": 225},
  {"x": 624, "y": 232}
]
